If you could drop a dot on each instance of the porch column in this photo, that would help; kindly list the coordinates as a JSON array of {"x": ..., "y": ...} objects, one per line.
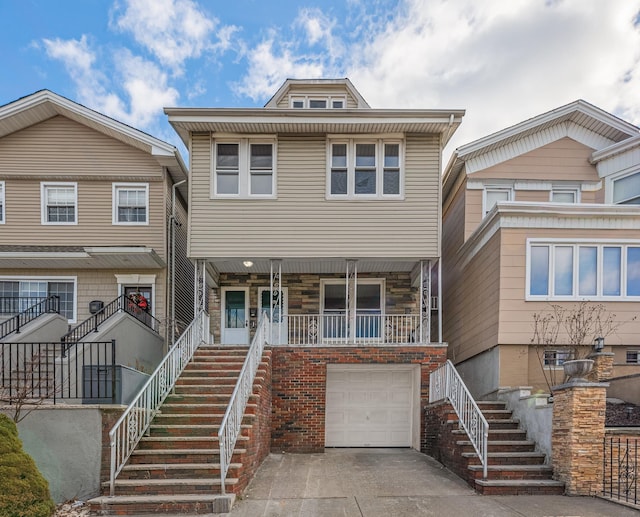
[
  {"x": 200, "y": 287},
  {"x": 351, "y": 289},
  {"x": 425, "y": 301},
  {"x": 275, "y": 305}
]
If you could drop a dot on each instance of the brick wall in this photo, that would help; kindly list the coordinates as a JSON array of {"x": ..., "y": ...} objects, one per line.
[
  {"x": 299, "y": 387},
  {"x": 439, "y": 442},
  {"x": 303, "y": 293},
  {"x": 109, "y": 417}
]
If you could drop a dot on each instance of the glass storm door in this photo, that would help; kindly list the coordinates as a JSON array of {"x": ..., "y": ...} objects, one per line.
[{"x": 235, "y": 316}]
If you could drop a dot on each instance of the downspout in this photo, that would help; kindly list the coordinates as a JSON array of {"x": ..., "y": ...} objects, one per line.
[{"x": 172, "y": 224}]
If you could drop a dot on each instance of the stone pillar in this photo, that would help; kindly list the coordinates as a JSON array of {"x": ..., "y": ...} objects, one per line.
[
  {"x": 577, "y": 436},
  {"x": 602, "y": 366}
]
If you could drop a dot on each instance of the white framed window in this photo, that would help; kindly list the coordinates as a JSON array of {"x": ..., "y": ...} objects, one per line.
[
  {"x": 318, "y": 101},
  {"x": 493, "y": 194},
  {"x": 130, "y": 203},
  {"x": 583, "y": 271},
  {"x": 564, "y": 195},
  {"x": 555, "y": 358},
  {"x": 244, "y": 168},
  {"x": 365, "y": 168},
  {"x": 2, "y": 204},
  {"x": 625, "y": 190},
  {"x": 23, "y": 292},
  {"x": 59, "y": 203},
  {"x": 633, "y": 356}
]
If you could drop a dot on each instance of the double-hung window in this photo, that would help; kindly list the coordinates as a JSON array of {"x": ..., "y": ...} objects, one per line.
[
  {"x": 583, "y": 271},
  {"x": 365, "y": 169},
  {"x": 130, "y": 203},
  {"x": 59, "y": 203},
  {"x": 2, "y": 216},
  {"x": 244, "y": 168}
]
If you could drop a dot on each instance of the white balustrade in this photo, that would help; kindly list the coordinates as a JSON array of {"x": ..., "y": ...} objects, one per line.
[
  {"x": 134, "y": 422},
  {"x": 446, "y": 383}
]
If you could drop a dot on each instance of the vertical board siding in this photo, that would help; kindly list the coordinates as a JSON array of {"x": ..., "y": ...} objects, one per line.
[{"x": 301, "y": 222}]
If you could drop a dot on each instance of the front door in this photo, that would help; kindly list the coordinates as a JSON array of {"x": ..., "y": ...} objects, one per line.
[
  {"x": 235, "y": 316},
  {"x": 280, "y": 327}
]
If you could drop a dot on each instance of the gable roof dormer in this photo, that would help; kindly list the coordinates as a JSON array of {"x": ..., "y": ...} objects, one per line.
[{"x": 302, "y": 93}]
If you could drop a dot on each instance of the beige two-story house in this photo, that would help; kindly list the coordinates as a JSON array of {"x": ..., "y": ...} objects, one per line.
[
  {"x": 90, "y": 209},
  {"x": 539, "y": 214},
  {"x": 322, "y": 214}
]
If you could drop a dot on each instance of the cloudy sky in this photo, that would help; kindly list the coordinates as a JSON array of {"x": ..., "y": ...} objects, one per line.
[{"x": 501, "y": 60}]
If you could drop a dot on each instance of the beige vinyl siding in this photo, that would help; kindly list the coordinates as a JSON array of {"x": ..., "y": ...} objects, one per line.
[
  {"x": 516, "y": 314},
  {"x": 532, "y": 196},
  {"x": 473, "y": 212},
  {"x": 301, "y": 222},
  {"x": 562, "y": 160},
  {"x": 471, "y": 302}
]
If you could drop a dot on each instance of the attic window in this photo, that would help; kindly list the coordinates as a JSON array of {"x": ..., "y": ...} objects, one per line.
[
  {"x": 317, "y": 103},
  {"x": 297, "y": 103},
  {"x": 337, "y": 104}
]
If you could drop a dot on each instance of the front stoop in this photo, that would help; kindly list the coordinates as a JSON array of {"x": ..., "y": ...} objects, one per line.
[
  {"x": 514, "y": 466},
  {"x": 176, "y": 469}
]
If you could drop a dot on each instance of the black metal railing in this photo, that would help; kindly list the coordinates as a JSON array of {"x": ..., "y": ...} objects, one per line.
[
  {"x": 16, "y": 304},
  {"x": 33, "y": 373},
  {"x": 43, "y": 306},
  {"x": 121, "y": 304},
  {"x": 620, "y": 462}
]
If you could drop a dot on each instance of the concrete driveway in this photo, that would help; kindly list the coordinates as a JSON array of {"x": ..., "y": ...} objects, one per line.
[{"x": 389, "y": 483}]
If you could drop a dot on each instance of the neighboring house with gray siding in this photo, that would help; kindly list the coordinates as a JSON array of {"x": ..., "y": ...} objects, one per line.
[
  {"x": 87, "y": 212},
  {"x": 544, "y": 212}
]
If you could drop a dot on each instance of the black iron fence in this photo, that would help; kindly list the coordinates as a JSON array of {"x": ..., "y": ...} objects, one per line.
[
  {"x": 28, "y": 312},
  {"x": 37, "y": 372},
  {"x": 121, "y": 304},
  {"x": 620, "y": 480}
]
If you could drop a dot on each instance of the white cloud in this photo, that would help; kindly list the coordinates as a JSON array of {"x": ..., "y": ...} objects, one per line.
[
  {"x": 172, "y": 30},
  {"x": 502, "y": 61}
]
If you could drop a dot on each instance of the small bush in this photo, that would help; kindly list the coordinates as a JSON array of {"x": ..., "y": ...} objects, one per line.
[{"x": 23, "y": 490}]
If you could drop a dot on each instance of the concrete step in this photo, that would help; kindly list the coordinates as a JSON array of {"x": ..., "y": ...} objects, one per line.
[
  {"x": 177, "y": 471},
  {"x": 180, "y": 430},
  {"x": 177, "y": 456},
  {"x": 195, "y": 418},
  {"x": 511, "y": 472},
  {"x": 506, "y": 458},
  {"x": 170, "y": 486},
  {"x": 142, "y": 505},
  {"x": 496, "y": 414},
  {"x": 185, "y": 442},
  {"x": 498, "y": 434},
  {"x": 171, "y": 408},
  {"x": 201, "y": 398},
  {"x": 519, "y": 487},
  {"x": 488, "y": 405},
  {"x": 501, "y": 446}
]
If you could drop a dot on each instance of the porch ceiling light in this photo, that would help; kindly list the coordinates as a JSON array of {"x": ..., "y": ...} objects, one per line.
[{"x": 247, "y": 263}]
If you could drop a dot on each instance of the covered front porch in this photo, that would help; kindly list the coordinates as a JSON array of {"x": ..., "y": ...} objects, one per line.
[{"x": 338, "y": 302}]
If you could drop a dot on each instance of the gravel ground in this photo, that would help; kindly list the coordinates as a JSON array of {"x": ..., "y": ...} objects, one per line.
[{"x": 72, "y": 509}]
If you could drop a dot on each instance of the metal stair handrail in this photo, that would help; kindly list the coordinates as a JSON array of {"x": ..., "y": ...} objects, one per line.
[
  {"x": 232, "y": 420},
  {"x": 44, "y": 306},
  {"x": 446, "y": 383},
  {"x": 121, "y": 304},
  {"x": 134, "y": 422}
]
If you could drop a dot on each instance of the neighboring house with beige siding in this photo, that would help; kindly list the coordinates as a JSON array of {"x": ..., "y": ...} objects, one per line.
[
  {"x": 540, "y": 213},
  {"x": 324, "y": 214},
  {"x": 87, "y": 212}
]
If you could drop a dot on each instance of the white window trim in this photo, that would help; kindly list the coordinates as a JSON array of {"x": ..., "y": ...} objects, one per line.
[
  {"x": 114, "y": 202},
  {"x": 575, "y": 243},
  {"x": 244, "y": 173},
  {"x": 556, "y": 366},
  {"x": 501, "y": 188},
  {"x": 610, "y": 180},
  {"x": 74, "y": 279},
  {"x": 317, "y": 97},
  {"x": 379, "y": 142},
  {"x": 3, "y": 206},
  {"x": 43, "y": 202},
  {"x": 565, "y": 190}
]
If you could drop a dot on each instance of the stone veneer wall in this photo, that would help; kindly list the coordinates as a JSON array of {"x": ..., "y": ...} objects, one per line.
[
  {"x": 578, "y": 436},
  {"x": 299, "y": 387},
  {"x": 304, "y": 293}
]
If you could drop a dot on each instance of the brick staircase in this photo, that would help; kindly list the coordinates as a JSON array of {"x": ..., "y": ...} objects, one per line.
[
  {"x": 176, "y": 469},
  {"x": 514, "y": 466}
]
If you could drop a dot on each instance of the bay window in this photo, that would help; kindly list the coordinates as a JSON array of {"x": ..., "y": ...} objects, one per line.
[
  {"x": 589, "y": 271},
  {"x": 364, "y": 169}
]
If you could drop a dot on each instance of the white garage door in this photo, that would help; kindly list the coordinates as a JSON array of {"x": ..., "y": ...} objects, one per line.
[{"x": 369, "y": 407}]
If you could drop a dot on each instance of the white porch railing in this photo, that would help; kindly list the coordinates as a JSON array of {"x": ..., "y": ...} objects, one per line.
[
  {"x": 317, "y": 329},
  {"x": 134, "y": 422},
  {"x": 445, "y": 383},
  {"x": 232, "y": 420}
]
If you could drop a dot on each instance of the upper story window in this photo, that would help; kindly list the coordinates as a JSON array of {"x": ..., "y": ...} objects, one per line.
[
  {"x": 2, "y": 217},
  {"x": 244, "y": 168},
  {"x": 318, "y": 101},
  {"x": 589, "y": 271},
  {"x": 564, "y": 195},
  {"x": 492, "y": 195},
  {"x": 626, "y": 190},
  {"x": 130, "y": 203},
  {"x": 365, "y": 168},
  {"x": 59, "y": 203}
]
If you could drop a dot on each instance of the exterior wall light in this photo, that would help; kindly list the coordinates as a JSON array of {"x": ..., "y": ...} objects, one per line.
[
  {"x": 598, "y": 344},
  {"x": 247, "y": 263}
]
